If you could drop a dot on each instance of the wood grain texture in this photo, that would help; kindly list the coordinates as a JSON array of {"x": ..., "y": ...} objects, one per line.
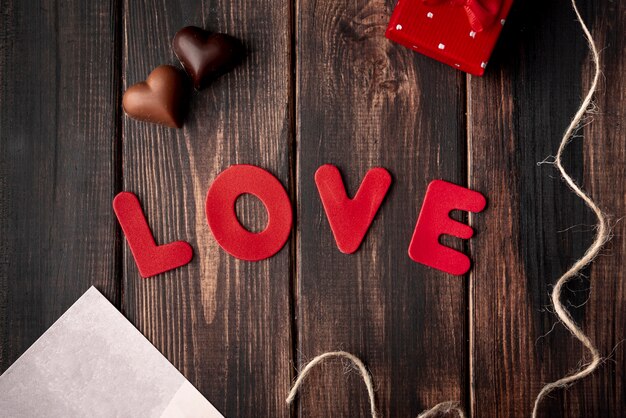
[
  {"x": 364, "y": 102},
  {"x": 356, "y": 101},
  {"x": 224, "y": 323},
  {"x": 604, "y": 171},
  {"x": 535, "y": 227},
  {"x": 57, "y": 175}
]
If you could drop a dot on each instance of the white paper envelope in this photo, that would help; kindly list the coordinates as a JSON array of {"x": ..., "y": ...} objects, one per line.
[{"x": 94, "y": 363}]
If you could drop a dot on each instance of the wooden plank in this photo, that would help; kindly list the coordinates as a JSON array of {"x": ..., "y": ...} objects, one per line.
[
  {"x": 224, "y": 323},
  {"x": 364, "y": 102},
  {"x": 535, "y": 227},
  {"x": 604, "y": 153},
  {"x": 57, "y": 144}
]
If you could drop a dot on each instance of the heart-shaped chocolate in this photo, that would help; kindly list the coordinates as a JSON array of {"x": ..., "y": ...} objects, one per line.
[
  {"x": 162, "y": 98},
  {"x": 205, "y": 55}
]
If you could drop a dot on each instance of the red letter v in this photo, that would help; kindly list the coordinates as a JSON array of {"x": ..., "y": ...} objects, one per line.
[{"x": 351, "y": 218}]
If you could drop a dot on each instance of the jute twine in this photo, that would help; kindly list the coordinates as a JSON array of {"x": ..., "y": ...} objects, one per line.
[
  {"x": 602, "y": 234},
  {"x": 601, "y": 237},
  {"x": 443, "y": 407}
]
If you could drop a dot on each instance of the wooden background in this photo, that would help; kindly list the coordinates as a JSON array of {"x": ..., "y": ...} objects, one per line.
[{"x": 320, "y": 85}]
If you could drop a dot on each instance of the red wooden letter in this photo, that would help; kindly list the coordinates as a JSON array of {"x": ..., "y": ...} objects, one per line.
[
  {"x": 434, "y": 220},
  {"x": 151, "y": 259},
  {"x": 220, "y": 212},
  {"x": 351, "y": 218}
]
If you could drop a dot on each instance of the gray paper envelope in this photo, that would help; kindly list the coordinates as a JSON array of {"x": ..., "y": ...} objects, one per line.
[{"x": 93, "y": 363}]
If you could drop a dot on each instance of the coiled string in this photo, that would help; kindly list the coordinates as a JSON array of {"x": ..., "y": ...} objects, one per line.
[
  {"x": 443, "y": 407},
  {"x": 602, "y": 234}
]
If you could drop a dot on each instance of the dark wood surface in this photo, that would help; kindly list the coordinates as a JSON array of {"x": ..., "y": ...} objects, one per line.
[
  {"x": 320, "y": 84},
  {"x": 58, "y": 89},
  {"x": 364, "y": 102},
  {"x": 223, "y": 322},
  {"x": 517, "y": 115}
]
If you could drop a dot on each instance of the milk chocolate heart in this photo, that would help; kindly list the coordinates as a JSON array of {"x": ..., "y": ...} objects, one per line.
[
  {"x": 162, "y": 98},
  {"x": 205, "y": 55}
]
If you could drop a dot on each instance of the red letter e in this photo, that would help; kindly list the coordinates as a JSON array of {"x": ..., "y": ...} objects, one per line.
[{"x": 434, "y": 220}]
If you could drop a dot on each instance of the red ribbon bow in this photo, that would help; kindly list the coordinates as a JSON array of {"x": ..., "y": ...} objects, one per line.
[{"x": 480, "y": 13}]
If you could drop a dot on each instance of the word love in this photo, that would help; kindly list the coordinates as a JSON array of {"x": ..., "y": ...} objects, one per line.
[{"x": 349, "y": 219}]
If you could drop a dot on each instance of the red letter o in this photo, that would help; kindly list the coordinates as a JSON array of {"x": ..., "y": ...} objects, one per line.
[{"x": 220, "y": 212}]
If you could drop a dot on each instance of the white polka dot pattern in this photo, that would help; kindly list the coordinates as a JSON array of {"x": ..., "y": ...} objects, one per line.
[{"x": 444, "y": 31}]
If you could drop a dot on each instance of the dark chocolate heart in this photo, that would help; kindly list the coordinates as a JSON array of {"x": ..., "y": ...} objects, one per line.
[
  {"x": 205, "y": 55},
  {"x": 162, "y": 98}
]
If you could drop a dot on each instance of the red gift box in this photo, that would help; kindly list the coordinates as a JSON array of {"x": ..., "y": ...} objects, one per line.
[{"x": 460, "y": 33}]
